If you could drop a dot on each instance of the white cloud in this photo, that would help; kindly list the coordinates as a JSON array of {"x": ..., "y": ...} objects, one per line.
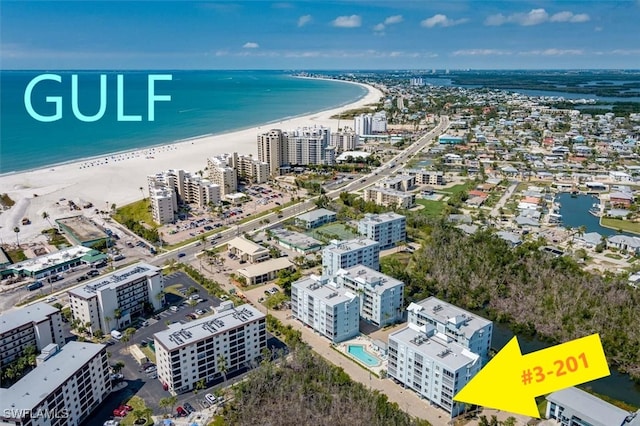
[
  {"x": 441, "y": 20},
  {"x": 554, "y": 52},
  {"x": 352, "y": 21},
  {"x": 481, "y": 52},
  {"x": 251, "y": 45},
  {"x": 567, "y": 16},
  {"x": 395, "y": 19},
  {"x": 379, "y": 27},
  {"x": 304, "y": 20},
  {"x": 535, "y": 17}
]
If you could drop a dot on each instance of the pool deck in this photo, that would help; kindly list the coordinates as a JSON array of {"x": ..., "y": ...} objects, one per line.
[{"x": 367, "y": 344}]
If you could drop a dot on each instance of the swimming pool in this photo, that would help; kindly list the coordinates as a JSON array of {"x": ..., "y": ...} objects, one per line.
[{"x": 360, "y": 353}]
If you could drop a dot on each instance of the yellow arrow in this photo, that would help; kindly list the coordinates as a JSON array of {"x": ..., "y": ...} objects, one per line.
[{"x": 511, "y": 381}]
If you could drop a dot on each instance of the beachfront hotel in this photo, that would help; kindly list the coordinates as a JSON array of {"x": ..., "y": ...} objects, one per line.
[
  {"x": 329, "y": 309},
  {"x": 113, "y": 300},
  {"x": 381, "y": 296},
  {"x": 222, "y": 174},
  {"x": 344, "y": 140},
  {"x": 65, "y": 387},
  {"x": 273, "y": 150},
  {"x": 386, "y": 228},
  {"x": 367, "y": 124},
  {"x": 310, "y": 145},
  {"x": 346, "y": 254},
  {"x": 210, "y": 347},
  {"x": 37, "y": 325},
  {"x": 172, "y": 187}
]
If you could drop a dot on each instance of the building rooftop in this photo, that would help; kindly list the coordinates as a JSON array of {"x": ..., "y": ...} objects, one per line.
[
  {"x": 265, "y": 267},
  {"x": 29, "y": 314},
  {"x": 389, "y": 191},
  {"x": 52, "y": 259},
  {"x": 36, "y": 386},
  {"x": 81, "y": 228},
  {"x": 392, "y": 180},
  {"x": 371, "y": 278},
  {"x": 590, "y": 408},
  {"x": 296, "y": 239},
  {"x": 315, "y": 215},
  {"x": 179, "y": 335},
  {"x": 435, "y": 346},
  {"x": 349, "y": 245},
  {"x": 375, "y": 219},
  {"x": 246, "y": 246},
  {"x": 445, "y": 313},
  {"x": 323, "y": 288},
  {"x": 115, "y": 279}
]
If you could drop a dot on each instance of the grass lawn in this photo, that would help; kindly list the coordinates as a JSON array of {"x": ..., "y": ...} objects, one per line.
[
  {"x": 431, "y": 208},
  {"x": 139, "y": 211},
  {"x": 613, "y": 256},
  {"x": 16, "y": 256},
  {"x": 149, "y": 353},
  {"x": 625, "y": 225},
  {"x": 459, "y": 188},
  {"x": 402, "y": 257},
  {"x": 138, "y": 404}
]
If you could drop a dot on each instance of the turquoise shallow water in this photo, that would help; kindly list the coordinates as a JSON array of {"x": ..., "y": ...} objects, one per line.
[{"x": 202, "y": 102}]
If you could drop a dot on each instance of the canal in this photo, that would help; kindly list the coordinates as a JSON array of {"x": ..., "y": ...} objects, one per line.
[
  {"x": 575, "y": 213},
  {"x": 618, "y": 386}
]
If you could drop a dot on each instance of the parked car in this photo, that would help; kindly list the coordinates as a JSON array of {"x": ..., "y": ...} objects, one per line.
[
  {"x": 209, "y": 397},
  {"x": 51, "y": 299},
  {"x": 173, "y": 308},
  {"x": 150, "y": 369},
  {"x": 119, "y": 413},
  {"x": 145, "y": 323},
  {"x": 93, "y": 273},
  {"x": 111, "y": 423},
  {"x": 200, "y": 312},
  {"x": 181, "y": 412},
  {"x": 189, "y": 408},
  {"x": 82, "y": 278}
]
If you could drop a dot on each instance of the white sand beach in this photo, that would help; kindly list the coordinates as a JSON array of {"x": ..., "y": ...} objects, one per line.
[{"x": 116, "y": 179}]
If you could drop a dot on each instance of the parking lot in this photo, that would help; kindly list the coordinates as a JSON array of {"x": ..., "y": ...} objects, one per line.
[{"x": 145, "y": 384}]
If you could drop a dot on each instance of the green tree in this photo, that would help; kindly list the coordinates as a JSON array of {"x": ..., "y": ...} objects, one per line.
[
  {"x": 199, "y": 386},
  {"x": 222, "y": 366},
  {"x": 17, "y": 231},
  {"x": 117, "y": 367}
]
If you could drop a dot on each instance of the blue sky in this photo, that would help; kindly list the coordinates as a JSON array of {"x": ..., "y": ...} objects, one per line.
[{"x": 391, "y": 34}]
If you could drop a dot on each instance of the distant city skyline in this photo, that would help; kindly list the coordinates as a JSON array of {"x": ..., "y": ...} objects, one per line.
[{"x": 349, "y": 34}]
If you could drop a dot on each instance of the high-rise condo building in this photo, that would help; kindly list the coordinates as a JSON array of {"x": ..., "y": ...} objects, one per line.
[
  {"x": 210, "y": 347},
  {"x": 112, "y": 301}
]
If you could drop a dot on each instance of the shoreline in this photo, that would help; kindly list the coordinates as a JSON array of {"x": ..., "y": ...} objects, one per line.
[{"x": 99, "y": 179}]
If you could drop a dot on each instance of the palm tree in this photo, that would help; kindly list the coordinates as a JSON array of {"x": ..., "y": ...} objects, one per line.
[
  {"x": 46, "y": 216},
  {"x": 17, "y": 231},
  {"x": 117, "y": 367},
  {"x": 164, "y": 403},
  {"x": 222, "y": 366},
  {"x": 128, "y": 333},
  {"x": 117, "y": 314},
  {"x": 108, "y": 321},
  {"x": 173, "y": 400},
  {"x": 199, "y": 386},
  {"x": 142, "y": 192}
]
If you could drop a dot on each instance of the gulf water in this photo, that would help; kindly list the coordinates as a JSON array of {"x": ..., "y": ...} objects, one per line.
[{"x": 202, "y": 103}]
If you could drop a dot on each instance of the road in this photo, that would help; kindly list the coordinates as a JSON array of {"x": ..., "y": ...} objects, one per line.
[{"x": 288, "y": 212}]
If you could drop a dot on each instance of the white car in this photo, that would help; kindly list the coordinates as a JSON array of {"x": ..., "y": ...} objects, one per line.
[
  {"x": 212, "y": 399},
  {"x": 173, "y": 309},
  {"x": 51, "y": 299},
  {"x": 200, "y": 312}
]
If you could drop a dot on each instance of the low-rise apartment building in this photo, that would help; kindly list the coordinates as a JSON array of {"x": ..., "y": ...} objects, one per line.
[
  {"x": 63, "y": 390},
  {"x": 210, "y": 347},
  {"x": 399, "y": 182},
  {"x": 390, "y": 197},
  {"x": 427, "y": 177},
  {"x": 113, "y": 300},
  {"x": 386, "y": 228},
  {"x": 315, "y": 218},
  {"x": 247, "y": 250},
  {"x": 575, "y": 407},
  {"x": 381, "y": 296},
  {"x": 37, "y": 325},
  {"x": 331, "y": 310},
  {"x": 346, "y": 254}
]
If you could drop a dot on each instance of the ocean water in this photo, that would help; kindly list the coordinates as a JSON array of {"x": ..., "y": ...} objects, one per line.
[{"x": 202, "y": 103}]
